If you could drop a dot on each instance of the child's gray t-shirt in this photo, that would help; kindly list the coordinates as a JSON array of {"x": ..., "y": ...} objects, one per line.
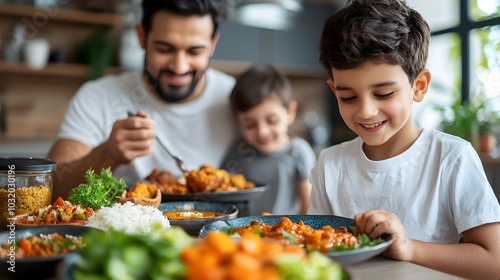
[{"x": 281, "y": 171}]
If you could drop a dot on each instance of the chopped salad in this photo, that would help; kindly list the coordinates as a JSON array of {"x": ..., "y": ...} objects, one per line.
[
  {"x": 326, "y": 239},
  {"x": 61, "y": 212},
  {"x": 42, "y": 245}
]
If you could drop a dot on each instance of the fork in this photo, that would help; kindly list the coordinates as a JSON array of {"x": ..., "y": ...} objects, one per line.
[{"x": 178, "y": 161}]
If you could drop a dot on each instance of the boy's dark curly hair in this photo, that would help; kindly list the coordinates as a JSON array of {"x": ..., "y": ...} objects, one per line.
[
  {"x": 386, "y": 31},
  {"x": 218, "y": 9}
]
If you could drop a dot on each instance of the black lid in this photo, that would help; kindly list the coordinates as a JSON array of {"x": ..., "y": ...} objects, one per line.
[{"x": 26, "y": 164}]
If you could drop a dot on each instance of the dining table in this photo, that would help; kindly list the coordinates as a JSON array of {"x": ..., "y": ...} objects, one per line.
[{"x": 381, "y": 267}]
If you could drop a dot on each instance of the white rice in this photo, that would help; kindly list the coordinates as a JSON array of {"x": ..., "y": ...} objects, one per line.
[{"x": 129, "y": 217}]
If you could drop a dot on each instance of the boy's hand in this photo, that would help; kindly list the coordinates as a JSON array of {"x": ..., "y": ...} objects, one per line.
[{"x": 377, "y": 222}]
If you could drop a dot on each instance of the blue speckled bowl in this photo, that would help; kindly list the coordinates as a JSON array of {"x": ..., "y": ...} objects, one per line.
[
  {"x": 194, "y": 226},
  {"x": 315, "y": 221}
]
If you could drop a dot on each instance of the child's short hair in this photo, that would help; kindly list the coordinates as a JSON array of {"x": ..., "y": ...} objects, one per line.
[
  {"x": 387, "y": 31},
  {"x": 259, "y": 83}
]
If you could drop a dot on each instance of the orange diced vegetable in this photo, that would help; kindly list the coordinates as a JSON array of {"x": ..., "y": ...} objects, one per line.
[
  {"x": 59, "y": 202},
  {"x": 221, "y": 243},
  {"x": 251, "y": 244},
  {"x": 25, "y": 245}
]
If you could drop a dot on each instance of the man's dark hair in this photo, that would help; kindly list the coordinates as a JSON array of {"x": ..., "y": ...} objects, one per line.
[
  {"x": 385, "y": 31},
  {"x": 259, "y": 83},
  {"x": 216, "y": 8}
]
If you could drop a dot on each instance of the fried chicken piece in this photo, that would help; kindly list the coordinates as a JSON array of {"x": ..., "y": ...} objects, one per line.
[
  {"x": 206, "y": 179},
  {"x": 167, "y": 183},
  {"x": 174, "y": 188},
  {"x": 152, "y": 176},
  {"x": 202, "y": 181}
]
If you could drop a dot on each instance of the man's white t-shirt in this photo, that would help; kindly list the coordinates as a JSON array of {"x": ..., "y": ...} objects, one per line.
[
  {"x": 437, "y": 188},
  {"x": 199, "y": 131}
]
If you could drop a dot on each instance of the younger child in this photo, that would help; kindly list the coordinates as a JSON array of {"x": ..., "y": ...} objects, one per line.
[
  {"x": 264, "y": 108},
  {"x": 426, "y": 188}
]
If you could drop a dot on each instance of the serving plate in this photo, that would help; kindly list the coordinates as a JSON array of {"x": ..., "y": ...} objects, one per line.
[
  {"x": 19, "y": 221},
  {"x": 193, "y": 226},
  {"x": 315, "y": 221},
  {"x": 42, "y": 267},
  {"x": 216, "y": 196}
]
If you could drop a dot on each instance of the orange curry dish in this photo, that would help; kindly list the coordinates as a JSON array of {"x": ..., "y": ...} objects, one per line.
[
  {"x": 322, "y": 239},
  {"x": 206, "y": 179}
]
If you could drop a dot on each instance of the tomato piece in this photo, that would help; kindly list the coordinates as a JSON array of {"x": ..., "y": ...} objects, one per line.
[{"x": 59, "y": 202}]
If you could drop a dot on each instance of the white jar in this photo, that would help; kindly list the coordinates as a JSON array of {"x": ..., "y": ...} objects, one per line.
[
  {"x": 131, "y": 53},
  {"x": 36, "y": 53}
]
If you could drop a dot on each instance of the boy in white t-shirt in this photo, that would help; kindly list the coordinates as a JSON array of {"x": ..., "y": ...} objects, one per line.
[{"x": 426, "y": 188}]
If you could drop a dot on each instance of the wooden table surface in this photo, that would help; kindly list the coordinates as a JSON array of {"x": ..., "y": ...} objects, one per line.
[{"x": 387, "y": 269}]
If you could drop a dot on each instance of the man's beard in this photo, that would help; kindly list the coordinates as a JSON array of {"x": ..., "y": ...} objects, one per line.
[{"x": 170, "y": 93}]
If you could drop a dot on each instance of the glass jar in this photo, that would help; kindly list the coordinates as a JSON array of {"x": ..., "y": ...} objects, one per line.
[{"x": 25, "y": 186}]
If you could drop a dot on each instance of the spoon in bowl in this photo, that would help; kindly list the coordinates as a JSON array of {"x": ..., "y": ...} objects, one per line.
[{"x": 178, "y": 161}]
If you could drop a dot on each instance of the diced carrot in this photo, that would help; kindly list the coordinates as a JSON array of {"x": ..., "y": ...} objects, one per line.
[
  {"x": 190, "y": 255},
  {"x": 201, "y": 273},
  {"x": 206, "y": 267},
  {"x": 48, "y": 218},
  {"x": 26, "y": 246},
  {"x": 271, "y": 250},
  {"x": 244, "y": 267},
  {"x": 251, "y": 244},
  {"x": 220, "y": 243},
  {"x": 245, "y": 262}
]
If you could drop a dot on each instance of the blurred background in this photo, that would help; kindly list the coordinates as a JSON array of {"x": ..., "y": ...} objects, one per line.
[{"x": 48, "y": 48}]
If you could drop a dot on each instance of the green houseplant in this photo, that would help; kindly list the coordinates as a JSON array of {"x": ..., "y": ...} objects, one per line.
[
  {"x": 97, "y": 52},
  {"x": 472, "y": 121}
]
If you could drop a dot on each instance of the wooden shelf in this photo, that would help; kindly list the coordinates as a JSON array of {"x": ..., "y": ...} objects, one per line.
[
  {"x": 63, "y": 70},
  {"x": 73, "y": 16},
  {"x": 81, "y": 70}
]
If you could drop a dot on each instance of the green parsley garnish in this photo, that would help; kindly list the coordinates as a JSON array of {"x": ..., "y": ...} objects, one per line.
[
  {"x": 364, "y": 241},
  {"x": 99, "y": 191}
]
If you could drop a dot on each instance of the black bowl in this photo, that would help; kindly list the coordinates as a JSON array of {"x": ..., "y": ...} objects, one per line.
[
  {"x": 193, "y": 226},
  {"x": 41, "y": 267}
]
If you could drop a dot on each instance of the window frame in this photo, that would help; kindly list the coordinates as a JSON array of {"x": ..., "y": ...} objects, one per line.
[{"x": 465, "y": 26}]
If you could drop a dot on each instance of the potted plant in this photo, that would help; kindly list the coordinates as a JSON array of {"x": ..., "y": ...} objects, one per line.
[{"x": 472, "y": 121}]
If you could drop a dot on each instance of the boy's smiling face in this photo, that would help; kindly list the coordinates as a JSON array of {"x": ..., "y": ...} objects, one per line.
[{"x": 376, "y": 102}]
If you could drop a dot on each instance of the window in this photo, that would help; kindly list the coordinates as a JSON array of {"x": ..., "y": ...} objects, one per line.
[{"x": 464, "y": 55}]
